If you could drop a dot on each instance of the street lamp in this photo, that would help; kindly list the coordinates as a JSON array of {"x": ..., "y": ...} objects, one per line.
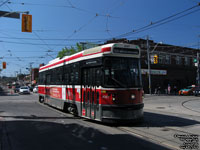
[
  {"x": 156, "y": 46},
  {"x": 148, "y": 61}
]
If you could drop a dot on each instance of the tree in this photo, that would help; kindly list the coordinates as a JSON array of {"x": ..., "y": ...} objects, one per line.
[{"x": 69, "y": 51}]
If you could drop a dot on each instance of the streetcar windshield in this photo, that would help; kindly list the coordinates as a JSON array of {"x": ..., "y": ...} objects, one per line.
[{"x": 122, "y": 72}]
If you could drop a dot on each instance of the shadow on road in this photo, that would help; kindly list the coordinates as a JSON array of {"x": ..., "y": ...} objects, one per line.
[
  {"x": 32, "y": 135},
  {"x": 38, "y": 117},
  {"x": 160, "y": 120}
]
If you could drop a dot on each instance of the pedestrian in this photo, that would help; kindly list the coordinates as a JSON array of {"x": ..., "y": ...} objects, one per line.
[
  {"x": 159, "y": 89},
  {"x": 175, "y": 89},
  {"x": 169, "y": 89},
  {"x": 156, "y": 91}
]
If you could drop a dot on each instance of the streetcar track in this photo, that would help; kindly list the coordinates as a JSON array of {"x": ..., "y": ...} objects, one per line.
[
  {"x": 188, "y": 107},
  {"x": 122, "y": 129},
  {"x": 148, "y": 137}
]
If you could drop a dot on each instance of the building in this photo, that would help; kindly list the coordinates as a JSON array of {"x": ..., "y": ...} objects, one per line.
[
  {"x": 174, "y": 67},
  {"x": 34, "y": 75}
]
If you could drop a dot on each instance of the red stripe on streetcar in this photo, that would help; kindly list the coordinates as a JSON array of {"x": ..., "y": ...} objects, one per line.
[{"x": 105, "y": 49}]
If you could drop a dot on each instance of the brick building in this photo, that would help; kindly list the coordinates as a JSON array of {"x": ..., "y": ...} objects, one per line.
[{"x": 175, "y": 65}]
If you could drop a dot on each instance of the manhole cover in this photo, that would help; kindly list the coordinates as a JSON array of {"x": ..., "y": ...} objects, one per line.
[
  {"x": 164, "y": 129},
  {"x": 160, "y": 107}
]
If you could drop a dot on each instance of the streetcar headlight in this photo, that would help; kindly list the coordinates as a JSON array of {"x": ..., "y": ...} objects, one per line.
[
  {"x": 132, "y": 96},
  {"x": 113, "y": 97}
]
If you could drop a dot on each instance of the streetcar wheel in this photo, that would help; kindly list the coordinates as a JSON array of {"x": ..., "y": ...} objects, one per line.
[{"x": 41, "y": 99}]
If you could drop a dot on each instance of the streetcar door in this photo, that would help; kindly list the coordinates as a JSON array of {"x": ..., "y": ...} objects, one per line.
[
  {"x": 90, "y": 95},
  {"x": 85, "y": 96}
]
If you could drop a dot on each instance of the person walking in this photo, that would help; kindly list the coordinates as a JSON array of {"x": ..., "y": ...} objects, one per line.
[
  {"x": 175, "y": 89},
  {"x": 169, "y": 89}
]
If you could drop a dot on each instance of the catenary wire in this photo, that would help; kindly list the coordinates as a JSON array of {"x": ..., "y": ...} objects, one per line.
[{"x": 149, "y": 26}]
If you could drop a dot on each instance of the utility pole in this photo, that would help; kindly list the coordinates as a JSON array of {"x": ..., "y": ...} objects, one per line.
[
  {"x": 31, "y": 72},
  {"x": 148, "y": 62},
  {"x": 198, "y": 71},
  {"x": 198, "y": 81}
]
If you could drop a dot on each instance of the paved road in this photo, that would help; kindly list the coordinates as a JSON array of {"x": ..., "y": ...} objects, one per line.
[{"x": 27, "y": 125}]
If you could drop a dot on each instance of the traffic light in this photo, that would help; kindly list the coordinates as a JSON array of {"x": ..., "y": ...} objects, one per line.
[
  {"x": 26, "y": 23},
  {"x": 155, "y": 59},
  {"x": 4, "y": 65},
  {"x": 194, "y": 60}
]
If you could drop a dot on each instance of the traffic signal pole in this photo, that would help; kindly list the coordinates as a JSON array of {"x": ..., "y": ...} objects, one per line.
[
  {"x": 149, "y": 67},
  {"x": 198, "y": 80}
]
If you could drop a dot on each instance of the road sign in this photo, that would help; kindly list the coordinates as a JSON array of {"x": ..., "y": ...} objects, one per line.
[
  {"x": 26, "y": 23},
  {"x": 10, "y": 14}
]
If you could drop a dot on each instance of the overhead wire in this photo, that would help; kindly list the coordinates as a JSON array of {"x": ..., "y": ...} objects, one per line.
[
  {"x": 3, "y": 3},
  {"x": 32, "y": 43},
  {"x": 52, "y": 39},
  {"x": 62, "y": 6},
  {"x": 160, "y": 22}
]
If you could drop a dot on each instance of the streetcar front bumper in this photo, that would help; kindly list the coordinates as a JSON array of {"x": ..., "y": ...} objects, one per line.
[{"x": 122, "y": 113}]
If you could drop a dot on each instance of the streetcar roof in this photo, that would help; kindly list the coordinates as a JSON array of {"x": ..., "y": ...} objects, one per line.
[{"x": 88, "y": 52}]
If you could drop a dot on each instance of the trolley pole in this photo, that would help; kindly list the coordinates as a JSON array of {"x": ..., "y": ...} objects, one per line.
[{"x": 149, "y": 67}]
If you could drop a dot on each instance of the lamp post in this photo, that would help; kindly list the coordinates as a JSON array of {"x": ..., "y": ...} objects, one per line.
[
  {"x": 198, "y": 71},
  {"x": 148, "y": 61},
  {"x": 31, "y": 72}
]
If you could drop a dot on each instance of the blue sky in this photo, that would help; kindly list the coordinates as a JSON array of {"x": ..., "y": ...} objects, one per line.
[{"x": 66, "y": 22}]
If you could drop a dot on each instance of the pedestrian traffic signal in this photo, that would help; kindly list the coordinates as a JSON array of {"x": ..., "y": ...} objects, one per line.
[
  {"x": 26, "y": 23},
  {"x": 194, "y": 60},
  {"x": 155, "y": 59},
  {"x": 4, "y": 65}
]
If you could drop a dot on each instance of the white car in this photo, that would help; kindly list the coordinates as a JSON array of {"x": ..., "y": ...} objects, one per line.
[{"x": 24, "y": 90}]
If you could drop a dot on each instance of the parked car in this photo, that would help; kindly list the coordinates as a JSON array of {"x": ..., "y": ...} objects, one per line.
[
  {"x": 24, "y": 90},
  {"x": 196, "y": 91},
  {"x": 187, "y": 91},
  {"x": 35, "y": 89}
]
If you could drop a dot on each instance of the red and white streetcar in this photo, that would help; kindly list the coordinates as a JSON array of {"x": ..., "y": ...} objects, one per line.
[{"x": 101, "y": 83}]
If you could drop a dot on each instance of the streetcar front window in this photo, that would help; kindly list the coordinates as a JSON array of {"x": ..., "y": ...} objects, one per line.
[{"x": 122, "y": 72}]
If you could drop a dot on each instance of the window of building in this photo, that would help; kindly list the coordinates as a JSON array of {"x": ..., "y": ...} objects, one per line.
[
  {"x": 187, "y": 61},
  {"x": 168, "y": 59},
  {"x": 178, "y": 60},
  {"x": 161, "y": 59}
]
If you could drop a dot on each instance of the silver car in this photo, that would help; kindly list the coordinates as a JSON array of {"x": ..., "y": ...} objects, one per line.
[{"x": 24, "y": 90}]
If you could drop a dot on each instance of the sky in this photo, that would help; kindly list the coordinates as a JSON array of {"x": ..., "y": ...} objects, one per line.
[{"x": 63, "y": 23}]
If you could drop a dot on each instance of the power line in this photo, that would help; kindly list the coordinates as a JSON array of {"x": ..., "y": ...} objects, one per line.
[
  {"x": 41, "y": 39},
  {"x": 52, "y": 39},
  {"x": 61, "y": 6},
  {"x": 3, "y": 3},
  {"x": 34, "y": 43},
  {"x": 160, "y": 22}
]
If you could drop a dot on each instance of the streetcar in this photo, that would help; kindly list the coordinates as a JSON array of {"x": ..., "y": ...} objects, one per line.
[{"x": 101, "y": 83}]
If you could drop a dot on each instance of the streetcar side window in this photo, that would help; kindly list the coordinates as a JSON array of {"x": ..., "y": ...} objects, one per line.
[
  {"x": 59, "y": 75},
  {"x": 48, "y": 79},
  {"x": 85, "y": 77},
  {"x": 98, "y": 77},
  {"x": 66, "y": 74},
  {"x": 42, "y": 78}
]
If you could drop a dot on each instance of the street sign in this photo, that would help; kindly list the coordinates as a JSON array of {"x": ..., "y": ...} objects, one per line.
[
  {"x": 26, "y": 23},
  {"x": 14, "y": 15}
]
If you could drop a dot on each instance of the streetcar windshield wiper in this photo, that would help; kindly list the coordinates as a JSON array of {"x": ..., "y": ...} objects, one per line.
[{"x": 118, "y": 82}]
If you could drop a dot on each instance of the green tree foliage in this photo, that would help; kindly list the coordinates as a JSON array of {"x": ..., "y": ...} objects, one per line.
[{"x": 69, "y": 51}]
